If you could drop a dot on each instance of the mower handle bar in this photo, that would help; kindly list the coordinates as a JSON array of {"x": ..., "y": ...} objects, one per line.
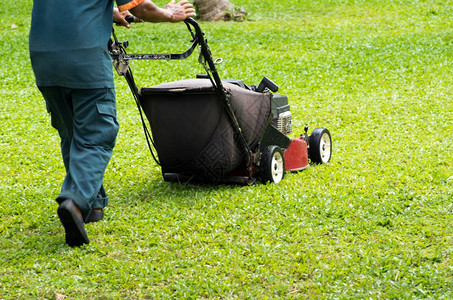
[{"x": 197, "y": 39}]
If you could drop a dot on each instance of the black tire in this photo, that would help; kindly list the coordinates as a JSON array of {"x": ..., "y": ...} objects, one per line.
[
  {"x": 320, "y": 146},
  {"x": 272, "y": 165}
]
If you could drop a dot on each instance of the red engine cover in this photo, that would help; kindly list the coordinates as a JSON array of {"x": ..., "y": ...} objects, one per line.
[{"x": 296, "y": 156}]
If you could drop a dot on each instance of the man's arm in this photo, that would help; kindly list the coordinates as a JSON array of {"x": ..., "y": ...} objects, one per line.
[{"x": 150, "y": 12}]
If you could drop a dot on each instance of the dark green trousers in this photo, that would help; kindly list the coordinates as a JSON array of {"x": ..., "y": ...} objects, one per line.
[{"x": 87, "y": 124}]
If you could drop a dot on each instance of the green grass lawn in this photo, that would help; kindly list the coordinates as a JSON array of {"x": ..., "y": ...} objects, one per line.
[{"x": 376, "y": 222}]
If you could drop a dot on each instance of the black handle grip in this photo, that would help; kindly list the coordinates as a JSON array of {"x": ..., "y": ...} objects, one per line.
[
  {"x": 130, "y": 19},
  {"x": 267, "y": 83}
]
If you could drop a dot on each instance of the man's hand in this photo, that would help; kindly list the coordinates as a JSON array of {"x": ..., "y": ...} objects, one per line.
[
  {"x": 181, "y": 10},
  {"x": 119, "y": 17}
]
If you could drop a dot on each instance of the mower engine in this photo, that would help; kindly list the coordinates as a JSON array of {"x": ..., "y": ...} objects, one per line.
[{"x": 281, "y": 113}]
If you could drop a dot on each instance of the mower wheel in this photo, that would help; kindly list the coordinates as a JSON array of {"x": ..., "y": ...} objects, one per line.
[
  {"x": 320, "y": 146},
  {"x": 272, "y": 165}
]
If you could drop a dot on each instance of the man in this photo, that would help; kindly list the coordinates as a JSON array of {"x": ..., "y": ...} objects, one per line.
[{"x": 69, "y": 55}]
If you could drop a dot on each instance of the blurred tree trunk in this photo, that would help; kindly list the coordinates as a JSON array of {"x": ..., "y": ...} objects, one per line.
[{"x": 215, "y": 10}]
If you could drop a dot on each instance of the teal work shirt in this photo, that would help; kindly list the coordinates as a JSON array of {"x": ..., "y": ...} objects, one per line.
[{"x": 68, "y": 43}]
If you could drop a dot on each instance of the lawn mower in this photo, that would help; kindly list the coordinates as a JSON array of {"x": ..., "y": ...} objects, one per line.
[{"x": 219, "y": 131}]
